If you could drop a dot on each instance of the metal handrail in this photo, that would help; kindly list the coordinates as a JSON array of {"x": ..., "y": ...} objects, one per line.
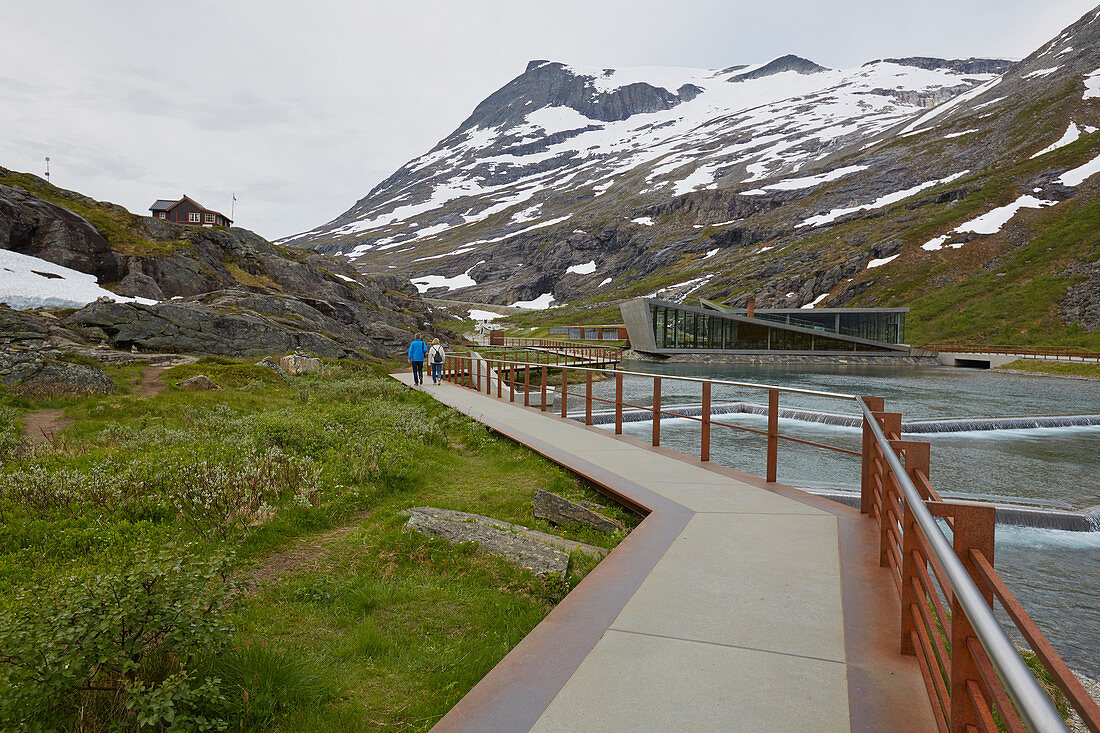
[
  {"x": 1070, "y": 352},
  {"x": 697, "y": 380},
  {"x": 1032, "y": 703},
  {"x": 1014, "y": 689}
]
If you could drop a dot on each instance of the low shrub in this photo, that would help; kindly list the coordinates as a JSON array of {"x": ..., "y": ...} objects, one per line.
[
  {"x": 117, "y": 647},
  {"x": 11, "y": 437}
]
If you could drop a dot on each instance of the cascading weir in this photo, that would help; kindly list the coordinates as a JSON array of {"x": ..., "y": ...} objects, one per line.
[{"x": 932, "y": 425}]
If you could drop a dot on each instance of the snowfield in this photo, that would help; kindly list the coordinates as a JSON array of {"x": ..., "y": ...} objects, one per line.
[{"x": 29, "y": 282}]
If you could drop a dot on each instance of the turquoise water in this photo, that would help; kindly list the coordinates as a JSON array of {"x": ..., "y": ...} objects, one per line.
[{"x": 1055, "y": 574}]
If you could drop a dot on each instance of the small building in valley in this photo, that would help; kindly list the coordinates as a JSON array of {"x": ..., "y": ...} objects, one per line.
[{"x": 188, "y": 211}]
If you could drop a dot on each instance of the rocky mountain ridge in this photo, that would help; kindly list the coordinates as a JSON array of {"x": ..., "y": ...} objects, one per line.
[
  {"x": 797, "y": 184},
  {"x": 194, "y": 289}
]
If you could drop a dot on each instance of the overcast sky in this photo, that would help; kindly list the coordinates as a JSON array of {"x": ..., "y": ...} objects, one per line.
[{"x": 300, "y": 108}]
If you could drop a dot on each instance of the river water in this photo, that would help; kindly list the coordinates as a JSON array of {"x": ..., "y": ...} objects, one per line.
[{"x": 1055, "y": 574}]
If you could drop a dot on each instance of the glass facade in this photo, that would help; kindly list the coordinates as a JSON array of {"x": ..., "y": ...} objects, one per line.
[
  {"x": 677, "y": 328},
  {"x": 887, "y": 327}
]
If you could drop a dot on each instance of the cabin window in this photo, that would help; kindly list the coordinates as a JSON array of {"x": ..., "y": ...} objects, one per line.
[
  {"x": 162, "y": 215},
  {"x": 209, "y": 218},
  {"x": 193, "y": 217}
]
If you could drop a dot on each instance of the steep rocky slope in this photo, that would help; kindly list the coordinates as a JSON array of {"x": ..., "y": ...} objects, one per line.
[
  {"x": 193, "y": 289},
  {"x": 918, "y": 181}
]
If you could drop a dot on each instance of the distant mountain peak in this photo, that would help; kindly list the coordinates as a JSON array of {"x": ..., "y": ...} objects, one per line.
[{"x": 790, "y": 62}]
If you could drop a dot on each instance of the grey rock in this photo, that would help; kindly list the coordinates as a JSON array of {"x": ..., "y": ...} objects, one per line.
[
  {"x": 527, "y": 553},
  {"x": 1081, "y": 303},
  {"x": 58, "y": 378},
  {"x": 542, "y": 553},
  {"x": 296, "y": 364},
  {"x": 272, "y": 364},
  {"x": 198, "y": 383},
  {"x": 559, "y": 510},
  {"x": 37, "y": 228}
]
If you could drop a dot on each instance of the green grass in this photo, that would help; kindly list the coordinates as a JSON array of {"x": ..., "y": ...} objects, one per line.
[
  {"x": 348, "y": 621},
  {"x": 1065, "y": 368}
]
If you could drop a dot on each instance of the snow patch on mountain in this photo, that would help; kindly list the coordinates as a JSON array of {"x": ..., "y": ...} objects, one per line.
[
  {"x": 1092, "y": 85},
  {"x": 1073, "y": 133},
  {"x": 880, "y": 262},
  {"x": 30, "y": 282},
  {"x": 540, "y": 303},
  {"x": 886, "y": 200},
  {"x": 1076, "y": 176}
]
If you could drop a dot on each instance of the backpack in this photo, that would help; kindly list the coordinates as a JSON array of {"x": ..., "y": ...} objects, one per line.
[{"x": 438, "y": 358}]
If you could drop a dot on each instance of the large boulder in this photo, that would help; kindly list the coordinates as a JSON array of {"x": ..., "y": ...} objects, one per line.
[
  {"x": 541, "y": 553},
  {"x": 59, "y": 377},
  {"x": 34, "y": 227},
  {"x": 559, "y": 510},
  {"x": 298, "y": 364}
]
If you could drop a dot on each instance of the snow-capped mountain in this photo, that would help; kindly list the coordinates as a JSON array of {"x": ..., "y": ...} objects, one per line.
[
  {"x": 558, "y": 135},
  {"x": 785, "y": 180}
]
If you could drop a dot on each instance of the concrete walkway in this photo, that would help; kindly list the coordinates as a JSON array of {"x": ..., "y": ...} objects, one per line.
[{"x": 735, "y": 606}]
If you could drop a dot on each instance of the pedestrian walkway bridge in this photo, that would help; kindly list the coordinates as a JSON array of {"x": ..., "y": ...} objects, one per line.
[{"x": 740, "y": 604}]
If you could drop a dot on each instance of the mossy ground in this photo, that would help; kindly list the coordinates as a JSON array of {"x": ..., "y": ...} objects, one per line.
[
  {"x": 1063, "y": 368},
  {"x": 350, "y": 622}
]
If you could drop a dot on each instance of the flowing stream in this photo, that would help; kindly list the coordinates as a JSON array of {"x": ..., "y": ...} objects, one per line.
[{"x": 1055, "y": 574}]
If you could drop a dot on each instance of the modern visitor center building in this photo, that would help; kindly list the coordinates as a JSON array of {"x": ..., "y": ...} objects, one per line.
[{"x": 669, "y": 329}]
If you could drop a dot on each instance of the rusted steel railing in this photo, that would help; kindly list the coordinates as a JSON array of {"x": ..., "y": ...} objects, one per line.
[
  {"x": 568, "y": 350},
  {"x": 975, "y": 677},
  {"x": 1067, "y": 353}
]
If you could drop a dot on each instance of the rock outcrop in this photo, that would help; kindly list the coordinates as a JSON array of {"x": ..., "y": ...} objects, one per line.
[
  {"x": 221, "y": 291},
  {"x": 541, "y": 553},
  {"x": 559, "y": 510}
]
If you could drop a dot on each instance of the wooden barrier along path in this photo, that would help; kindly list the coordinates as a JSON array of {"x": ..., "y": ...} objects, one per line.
[{"x": 736, "y": 605}]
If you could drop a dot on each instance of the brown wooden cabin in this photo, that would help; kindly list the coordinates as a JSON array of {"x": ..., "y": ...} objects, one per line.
[{"x": 187, "y": 211}]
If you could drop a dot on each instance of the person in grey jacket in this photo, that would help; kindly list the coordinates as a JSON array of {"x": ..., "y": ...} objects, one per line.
[{"x": 436, "y": 357}]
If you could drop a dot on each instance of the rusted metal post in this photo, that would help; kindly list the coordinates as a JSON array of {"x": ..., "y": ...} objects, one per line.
[
  {"x": 891, "y": 426},
  {"x": 564, "y": 390},
  {"x": 656, "y": 411},
  {"x": 773, "y": 435},
  {"x": 618, "y": 403},
  {"x": 974, "y": 530},
  {"x": 866, "y": 492},
  {"x": 544, "y": 388},
  {"x": 704, "y": 440},
  {"x": 891, "y": 510},
  {"x": 588, "y": 398},
  {"x": 512, "y": 382},
  {"x": 500, "y": 385},
  {"x": 917, "y": 458},
  {"x": 526, "y": 385},
  {"x": 478, "y": 373}
]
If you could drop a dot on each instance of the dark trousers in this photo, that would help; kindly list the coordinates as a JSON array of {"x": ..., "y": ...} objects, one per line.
[
  {"x": 437, "y": 372},
  {"x": 418, "y": 372}
]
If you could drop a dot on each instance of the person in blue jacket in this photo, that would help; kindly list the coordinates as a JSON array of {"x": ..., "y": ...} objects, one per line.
[{"x": 417, "y": 351}]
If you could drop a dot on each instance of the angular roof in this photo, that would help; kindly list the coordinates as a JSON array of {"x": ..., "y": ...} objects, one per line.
[{"x": 162, "y": 205}]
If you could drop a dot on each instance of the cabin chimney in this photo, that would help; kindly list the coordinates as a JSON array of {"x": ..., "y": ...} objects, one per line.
[{"x": 752, "y": 306}]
